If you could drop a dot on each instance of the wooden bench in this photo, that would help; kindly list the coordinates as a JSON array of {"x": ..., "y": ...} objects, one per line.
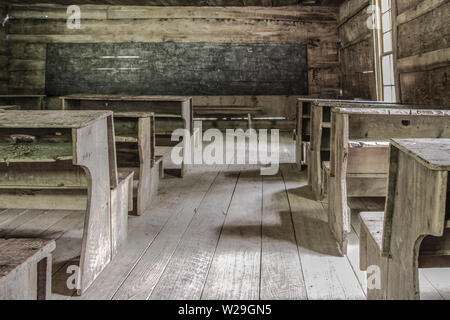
[
  {"x": 25, "y": 269},
  {"x": 171, "y": 112},
  {"x": 303, "y": 125},
  {"x": 25, "y": 101},
  {"x": 227, "y": 112},
  {"x": 360, "y": 154},
  {"x": 414, "y": 230},
  {"x": 135, "y": 147},
  {"x": 62, "y": 160},
  {"x": 318, "y": 148}
]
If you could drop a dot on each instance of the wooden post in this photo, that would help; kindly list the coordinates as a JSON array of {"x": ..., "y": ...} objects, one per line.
[{"x": 315, "y": 165}]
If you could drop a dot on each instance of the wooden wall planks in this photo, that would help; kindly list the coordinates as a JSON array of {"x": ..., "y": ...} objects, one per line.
[
  {"x": 357, "y": 51},
  {"x": 423, "y": 60},
  {"x": 3, "y": 53},
  {"x": 269, "y": 3}
]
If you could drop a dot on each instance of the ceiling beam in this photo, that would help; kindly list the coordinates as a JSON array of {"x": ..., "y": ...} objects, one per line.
[{"x": 222, "y": 3}]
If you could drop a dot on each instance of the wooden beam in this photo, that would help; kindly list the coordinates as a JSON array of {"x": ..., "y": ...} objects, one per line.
[
  {"x": 425, "y": 61},
  {"x": 422, "y": 8}
]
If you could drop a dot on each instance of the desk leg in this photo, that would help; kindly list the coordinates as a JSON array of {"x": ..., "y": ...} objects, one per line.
[
  {"x": 91, "y": 145},
  {"x": 339, "y": 216},
  {"x": 145, "y": 190},
  {"x": 415, "y": 208},
  {"x": 298, "y": 136},
  {"x": 44, "y": 278}
]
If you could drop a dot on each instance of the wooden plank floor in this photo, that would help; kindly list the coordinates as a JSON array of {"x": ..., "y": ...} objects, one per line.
[{"x": 222, "y": 232}]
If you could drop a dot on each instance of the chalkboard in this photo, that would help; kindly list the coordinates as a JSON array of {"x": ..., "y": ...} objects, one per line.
[{"x": 176, "y": 68}]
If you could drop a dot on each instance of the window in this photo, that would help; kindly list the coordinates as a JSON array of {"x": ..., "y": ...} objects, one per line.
[{"x": 384, "y": 52}]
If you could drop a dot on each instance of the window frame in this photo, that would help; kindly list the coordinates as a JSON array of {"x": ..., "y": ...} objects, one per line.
[{"x": 380, "y": 53}]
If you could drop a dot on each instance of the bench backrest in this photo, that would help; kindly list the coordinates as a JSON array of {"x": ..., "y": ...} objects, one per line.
[
  {"x": 159, "y": 105},
  {"x": 321, "y": 112}
]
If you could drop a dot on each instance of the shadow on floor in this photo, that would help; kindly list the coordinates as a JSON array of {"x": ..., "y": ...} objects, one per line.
[
  {"x": 307, "y": 228},
  {"x": 303, "y": 192}
]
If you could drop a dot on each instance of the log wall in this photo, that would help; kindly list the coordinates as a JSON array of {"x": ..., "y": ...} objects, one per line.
[
  {"x": 356, "y": 50},
  {"x": 4, "y": 54},
  {"x": 423, "y": 51}
]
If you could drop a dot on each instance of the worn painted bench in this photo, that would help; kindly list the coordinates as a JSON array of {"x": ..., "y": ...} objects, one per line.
[
  {"x": 414, "y": 230},
  {"x": 360, "y": 154},
  {"x": 62, "y": 160},
  {"x": 171, "y": 112},
  {"x": 25, "y": 269}
]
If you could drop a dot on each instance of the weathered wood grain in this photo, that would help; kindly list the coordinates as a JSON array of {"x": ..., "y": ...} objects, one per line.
[
  {"x": 121, "y": 204},
  {"x": 145, "y": 275},
  {"x": 23, "y": 258},
  {"x": 371, "y": 237},
  {"x": 421, "y": 51},
  {"x": 144, "y": 230},
  {"x": 425, "y": 33},
  {"x": 185, "y": 275},
  {"x": 357, "y": 62},
  {"x": 35, "y": 227},
  {"x": 25, "y": 101},
  {"x": 353, "y": 153},
  {"x": 416, "y": 197},
  {"x": 235, "y": 269},
  {"x": 179, "y": 108},
  {"x": 33, "y": 26},
  {"x": 279, "y": 254},
  {"x": 319, "y": 253},
  {"x": 4, "y": 54}
]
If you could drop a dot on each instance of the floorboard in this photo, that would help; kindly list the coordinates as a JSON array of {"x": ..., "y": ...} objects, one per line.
[
  {"x": 439, "y": 279},
  {"x": 222, "y": 232},
  {"x": 38, "y": 225},
  {"x": 185, "y": 275},
  {"x": 16, "y": 219},
  {"x": 327, "y": 275},
  {"x": 281, "y": 271},
  {"x": 145, "y": 275},
  {"x": 235, "y": 269}
]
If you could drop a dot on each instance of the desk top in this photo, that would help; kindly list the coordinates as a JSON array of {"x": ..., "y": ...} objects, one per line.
[
  {"x": 133, "y": 114},
  {"x": 22, "y": 96},
  {"x": 22, "y": 253},
  {"x": 337, "y": 101},
  {"x": 433, "y": 153},
  {"x": 117, "y": 97},
  {"x": 358, "y": 103},
  {"x": 50, "y": 119},
  {"x": 393, "y": 111}
]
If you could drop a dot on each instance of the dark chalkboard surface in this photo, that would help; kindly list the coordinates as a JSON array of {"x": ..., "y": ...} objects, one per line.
[{"x": 176, "y": 68}]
